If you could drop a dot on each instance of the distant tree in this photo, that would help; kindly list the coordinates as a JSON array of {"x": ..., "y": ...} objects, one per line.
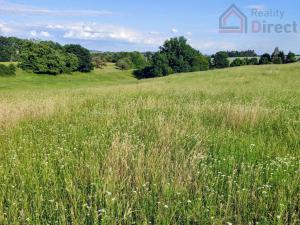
[
  {"x": 148, "y": 56},
  {"x": 291, "y": 57},
  {"x": 5, "y": 49},
  {"x": 276, "y": 55},
  {"x": 250, "y": 61},
  {"x": 265, "y": 59},
  {"x": 159, "y": 67},
  {"x": 138, "y": 60},
  {"x": 175, "y": 56},
  {"x": 282, "y": 56},
  {"x": 253, "y": 61},
  {"x": 200, "y": 63},
  {"x": 238, "y": 62},
  {"x": 221, "y": 60},
  {"x": 277, "y": 60},
  {"x": 182, "y": 57},
  {"x": 247, "y": 53},
  {"x": 99, "y": 62},
  {"x": 83, "y": 55},
  {"x": 124, "y": 64},
  {"x": 41, "y": 58}
]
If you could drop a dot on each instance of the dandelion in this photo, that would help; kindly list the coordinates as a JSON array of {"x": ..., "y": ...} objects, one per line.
[
  {"x": 166, "y": 206},
  {"x": 228, "y": 223},
  {"x": 189, "y": 201}
]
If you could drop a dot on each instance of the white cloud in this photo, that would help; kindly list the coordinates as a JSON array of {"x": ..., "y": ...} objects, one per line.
[
  {"x": 94, "y": 31},
  {"x": 5, "y": 29},
  {"x": 212, "y": 46},
  {"x": 40, "y": 34},
  {"x": 20, "y": 9},
  {"x": 33, "y": 33},
  {"x": 189, "y": 33},
  {"x": 174, "y": 30},
  {"x": 45, "y": 34}
]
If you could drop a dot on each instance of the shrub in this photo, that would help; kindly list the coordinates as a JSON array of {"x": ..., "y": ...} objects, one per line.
[
  {"x": 238, "y": 62},
  {"x": 253, "y": 61},
  {"x": 9, "y": 70},
  {"x": 124, "y": 64},
  {"x": 98, "y": 62},
  {"x": 265, "y": 59}
]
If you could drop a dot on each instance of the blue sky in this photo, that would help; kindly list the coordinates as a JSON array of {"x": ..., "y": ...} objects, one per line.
[{"x": 143, "y": 25}]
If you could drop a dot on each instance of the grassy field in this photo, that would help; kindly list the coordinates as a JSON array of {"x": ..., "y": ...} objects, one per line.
[{"x": 215, "y": 147}]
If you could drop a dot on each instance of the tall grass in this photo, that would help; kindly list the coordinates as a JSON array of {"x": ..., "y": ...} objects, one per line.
[{"x": 219, "y": 147}]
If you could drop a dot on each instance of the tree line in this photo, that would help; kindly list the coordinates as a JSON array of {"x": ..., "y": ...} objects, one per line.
[
  {"x": 175, "y": 56},
  {"x": 221, "y": 59},
  {"x": 247, "y": 53}
]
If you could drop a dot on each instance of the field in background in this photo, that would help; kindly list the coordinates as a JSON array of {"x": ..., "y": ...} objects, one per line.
[{"x": 215, "y": 147}]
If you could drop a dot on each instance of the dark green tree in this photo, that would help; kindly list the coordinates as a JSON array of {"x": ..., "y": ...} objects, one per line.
[
  {"x": 253, "y": 61},
  {"x": 291, "y": 58},
  {"x": 83, "y": 55},
  {"x": 41, "y": 58},
  {"x": 138, "y": 60},
  {"x": 159, "y": 67},
  {"x": 265, "y": 59},
  {"x": 220, "y": 60},
  {"x": 277, "y": 60},
  {"x": 175, "y": 56},
  {"x": 182, "y": 57},
  {"x": 276, "y": 55}
]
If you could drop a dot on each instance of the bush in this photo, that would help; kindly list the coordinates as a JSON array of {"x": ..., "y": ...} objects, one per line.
[
  {"x": 124, "y": 64},
  {"x": 7, "y": 70},
  {"x": 238, "y": 62},
  {"x": 98, "y": 62},
  {"x": 253, "y": 61},
  {"x": 265, "y": 59}
]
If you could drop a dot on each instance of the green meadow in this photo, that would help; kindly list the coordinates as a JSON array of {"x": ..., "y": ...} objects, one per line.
[{"x": 214, "y": 147}]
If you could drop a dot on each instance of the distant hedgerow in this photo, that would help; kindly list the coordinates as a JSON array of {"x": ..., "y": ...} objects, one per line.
[{"x": 9, "y": 70}]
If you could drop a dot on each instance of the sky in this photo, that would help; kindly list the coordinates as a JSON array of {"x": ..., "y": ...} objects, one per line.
[{"x": 143, "y": 25}]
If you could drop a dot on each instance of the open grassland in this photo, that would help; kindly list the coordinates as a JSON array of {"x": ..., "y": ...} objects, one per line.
[{"x": 216, "y": 147}]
